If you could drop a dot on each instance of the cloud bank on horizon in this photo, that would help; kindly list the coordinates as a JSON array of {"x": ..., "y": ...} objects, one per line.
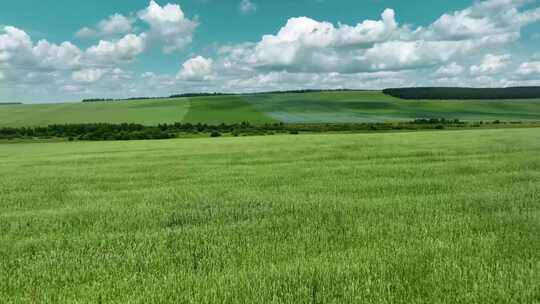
[{"x": 469, "y": 47}]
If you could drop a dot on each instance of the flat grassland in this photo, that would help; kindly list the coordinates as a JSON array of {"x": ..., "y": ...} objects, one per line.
[
  {"x": 323, "y": 107},
  {"x": 426, "y": 217}
]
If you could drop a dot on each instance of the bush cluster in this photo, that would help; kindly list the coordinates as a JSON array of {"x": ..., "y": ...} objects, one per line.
[{"x": 130, "y": 131}]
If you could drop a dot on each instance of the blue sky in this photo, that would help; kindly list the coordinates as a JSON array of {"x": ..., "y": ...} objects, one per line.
[{"x": 62, "y": 50}]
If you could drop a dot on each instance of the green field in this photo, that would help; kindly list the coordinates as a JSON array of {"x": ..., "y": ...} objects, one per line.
[
  {"x": 345, "y": 107},
  {"x": 325, "y": 107},
  {"x": 147, "y": 112},
  {"x": 425, "y": 217},
  {"x": 223, "y": 109}
]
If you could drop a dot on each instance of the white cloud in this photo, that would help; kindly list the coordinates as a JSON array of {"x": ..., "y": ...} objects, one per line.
[
  {"x": 148, "y": 75},
  {"x": 71, "y": 88},
  {"x": 2, "y": 75},
  {"x": 247, "y": 6},
  {"x": 14, "y": 42},
  {"x": 490, "y": 65},
  {"x": 307, "y": 42},
  {"x": 86, "y": 32},
  {"x": 307, "y": 45},
  {"x": 115, "y": 24},
  {"x": 529, "y": 68},
  {"x": 61, "y": 57},
  {"x": 87, "y": 75},
  {"x": 304, "y": 53},
  {"x": 451, "y": 70},
  {"x": 169, "y": 25},
  {"x": 18, "y": 50},
  {"x": 125, "y": 49},
  {"x": 196, "y": 69}
]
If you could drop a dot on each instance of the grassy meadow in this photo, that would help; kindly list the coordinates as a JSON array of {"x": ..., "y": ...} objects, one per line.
[
  {"x": 321, "y": 107},
  {"x": 424, "y": 217}
]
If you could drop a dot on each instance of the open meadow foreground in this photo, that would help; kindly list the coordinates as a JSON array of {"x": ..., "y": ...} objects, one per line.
[{"x": 424, "y": 217}]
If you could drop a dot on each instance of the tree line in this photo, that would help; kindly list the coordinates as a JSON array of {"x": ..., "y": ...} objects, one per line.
[
  {"x": 183, "y": 95},
  {"x": 132, "y": 131},
  {"x": 464, "y": 93}
]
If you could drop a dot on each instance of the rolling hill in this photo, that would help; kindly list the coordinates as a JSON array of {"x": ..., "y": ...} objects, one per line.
[{"x": 313, "y": 107}]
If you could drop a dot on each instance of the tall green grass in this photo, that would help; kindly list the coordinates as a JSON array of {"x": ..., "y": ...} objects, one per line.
[{"x": 446, "y": 217}]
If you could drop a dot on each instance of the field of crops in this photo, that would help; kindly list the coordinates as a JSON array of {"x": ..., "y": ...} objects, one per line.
[
  {"x": 323, "y": 107},
  {"x": 345, "y": 107},
  {"x": 425, "y": 217}
]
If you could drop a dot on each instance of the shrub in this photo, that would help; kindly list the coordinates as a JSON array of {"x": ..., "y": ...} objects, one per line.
[{"x": 215, "y": 134}]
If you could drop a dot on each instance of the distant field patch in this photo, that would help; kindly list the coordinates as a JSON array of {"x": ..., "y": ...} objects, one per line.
[
  {"x": 340, "y": 107},
  {"x": 223, "y": 109},
  {"x": 147, "y": 112}
]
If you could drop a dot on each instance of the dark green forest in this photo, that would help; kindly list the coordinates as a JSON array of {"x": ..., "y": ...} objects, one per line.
[{"x": 464, "y": 93}]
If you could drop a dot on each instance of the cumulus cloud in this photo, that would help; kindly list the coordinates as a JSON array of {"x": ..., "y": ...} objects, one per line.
[
  {"x": 196, "y": 69},
  {"x": 451, "y": 70},
  {"x": 246, "y": 6},
  {"x": 88, "y": 75},
  {"x": 529, "y": 68},
  {"x": 304, "y": 43},
  {"x": 303, "y": 53},
  {"x": 116, "y": 24},
  {"x": 169, "y": 25},
  {"x": 86, "y": 32},
  {"x": 63, "y": 57},
  {"x": 307, "y": 45},
  {"x": 18, "y": 50},
  {"x": 125, "y": 49},
  {"x": 14, "y": 42},
  {"x": 490, "y": 65}
]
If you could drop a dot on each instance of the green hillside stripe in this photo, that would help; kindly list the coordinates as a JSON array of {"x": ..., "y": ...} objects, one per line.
[
  {"x": 223, "y": 109},
  {"x": 147, "y": 112},
  {"x": 354, "y": 107},
  {"x": 319, "y": 107}
]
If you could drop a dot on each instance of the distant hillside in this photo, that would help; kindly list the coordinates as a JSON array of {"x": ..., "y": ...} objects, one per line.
[
  {"x": 214, "y": 94},
  {"x": 464, "y": 93},
  {"x": 310, "y": 107},
  {"x": 9, "y": 103}
]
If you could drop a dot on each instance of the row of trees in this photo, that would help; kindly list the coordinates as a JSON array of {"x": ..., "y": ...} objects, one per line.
[
  {"x": 214, "y": 94},
  {"x": 104, "y": 131},
  {"x": 144, "y": 98},
  {"x": 464, "y": 93}
]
